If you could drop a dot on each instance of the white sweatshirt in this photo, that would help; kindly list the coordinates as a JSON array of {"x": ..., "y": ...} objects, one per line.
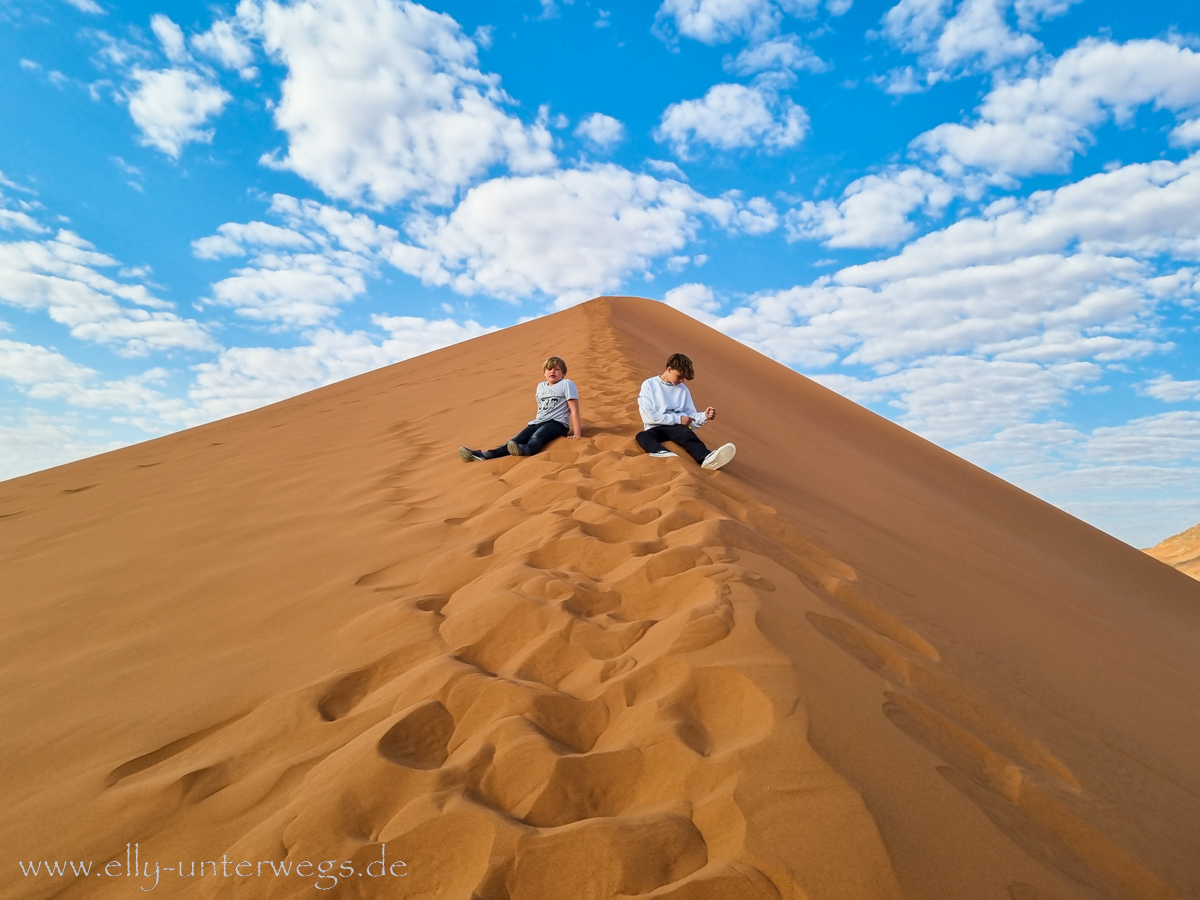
[{"x": 661, "y": 403}]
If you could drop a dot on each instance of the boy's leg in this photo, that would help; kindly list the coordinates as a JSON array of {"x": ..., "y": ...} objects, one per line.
[
  {"x": 687, "y": 439},
  {"x": 542, "y": 435},
  {"x": 521, "y": 437},
  {"x": 651, "y": 439}
]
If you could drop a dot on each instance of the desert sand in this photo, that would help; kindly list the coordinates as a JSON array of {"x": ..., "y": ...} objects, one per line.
[
  {"x": 849, "y": 665},
  {"x": 1181, "y": 551}
]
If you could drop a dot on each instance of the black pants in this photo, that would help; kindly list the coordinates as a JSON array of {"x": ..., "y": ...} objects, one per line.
[
  {"x": 531, "y": 439},
  {"x": 651, "y": 440}
]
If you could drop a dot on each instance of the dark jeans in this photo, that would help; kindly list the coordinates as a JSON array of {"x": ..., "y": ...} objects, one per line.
[
  {"x": 651, "y": 440},
  {"x": 531, "y": 439}
]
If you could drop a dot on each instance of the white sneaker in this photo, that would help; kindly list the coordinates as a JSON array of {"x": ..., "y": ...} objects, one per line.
[
  {"x": 663, "y": 454},
  {"x": 719, "y": 457}
]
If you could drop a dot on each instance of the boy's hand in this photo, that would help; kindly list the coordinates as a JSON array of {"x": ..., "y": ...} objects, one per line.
[
  {"x": 574, "y": 437},
  {"x": 710, "y": 413},
  {"x": 685, "y": 420}
]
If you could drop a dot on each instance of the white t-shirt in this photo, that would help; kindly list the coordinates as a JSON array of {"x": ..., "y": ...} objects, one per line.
[{"x": 552, "y": 402}]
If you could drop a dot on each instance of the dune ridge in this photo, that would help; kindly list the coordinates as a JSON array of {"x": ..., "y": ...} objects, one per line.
[{"x": 588, "y": 673}]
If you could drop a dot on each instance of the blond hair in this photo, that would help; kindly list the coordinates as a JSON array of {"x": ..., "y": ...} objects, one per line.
[{"x": 555, "y": 362}]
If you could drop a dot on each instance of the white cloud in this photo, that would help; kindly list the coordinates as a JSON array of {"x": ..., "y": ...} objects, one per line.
[
  {"x": 29, "y": 364},
  {"x": 244, "y": 378},
  {"x": 718, "y": 21},
  {"x": 226, "y": 43},
  {"x": 1037, "y": 124},
  {"x": 169, "y": 106},
  {"x": 45, "y": 374},
  {"x": 666, "y": 168},
  {"x": 1040, "y": 309},
  {"x": 1186, "y": 134},
  {"x": 383, "y": 101},
  {"x": 952, "y": 399},
  {"x": 696, "y": 300},
  {"x": 1167, "y": 389},
  {"x": 33, "y": 440},
  {"x": 732, "y": 116},
  {"x": 1144, "y": 209},
  {"x": 570, "y": 234},
  {"x": 874, "y": 210},
  {"x": 756, "y": 215},
  {"x": 904, "y": 80},
  {"x": 977, "y": 34},
  {"x": 300, "y": 274},
  {"x": 603, "y": 132},
  {"x": 87, "y": 6},
  {"x": 1031, "y": 12},
  {"x": 11, "y": 219},
  {"x": 1167, "y": 437},
  {"x": 295, "y": 289},
  {"x": 170, "y": 36},
  {"x": 233, "y": 239},
  {"x": 62, "y": 276},
  {"x": 782, "y": 53}
]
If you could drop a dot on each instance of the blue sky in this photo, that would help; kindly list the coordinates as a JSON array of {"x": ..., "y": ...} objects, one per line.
[{"x": 980, "y": 218}]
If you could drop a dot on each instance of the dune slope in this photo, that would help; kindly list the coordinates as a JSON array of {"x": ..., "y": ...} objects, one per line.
[{"x": 848, "y": 666}]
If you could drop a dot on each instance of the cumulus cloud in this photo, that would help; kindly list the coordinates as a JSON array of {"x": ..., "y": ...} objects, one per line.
[
  {"x": 1038, "y": 123},
  {"x": 29, "y": 364},
  {"x": 970, "y": 33},
  {"x": 1143, "y": 209},
  {"x": 874, "y": 210},
  {"x": 1186, "y": 134},
  {"x": 571, "y": 234},
  {"x": 733, "y": 116},
  {"x": 11, "y": 219},
  {"x": 786, "y": 54},
  {"x": 63, "y": 276},
  {"x": 719, "y": 21},
  {"x": 170, "y": 36},
  {"x": 601, "y": 131},
  {"x": 697, "y": 300},
  {"x": 244, "y": 378},
  {"x": 1167, "y": 437},
  {"x": 383, "y": 101},
  {"x": 227, "y": 44},
  {"x": 1167, "y": 389},
  {"x": 904, "y": 80},
  {"x": 233, "y": 239},
  {"x": 297, "y": 289},
  {"x": 170, "y": 106}
]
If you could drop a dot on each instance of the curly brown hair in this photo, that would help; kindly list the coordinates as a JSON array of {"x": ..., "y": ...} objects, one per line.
[{"x": 682, "y": 365}]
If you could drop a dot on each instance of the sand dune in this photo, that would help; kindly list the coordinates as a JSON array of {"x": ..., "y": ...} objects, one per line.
[
  {"x": 850, "y": 665},
  {"x": 1181, "y": 551}
]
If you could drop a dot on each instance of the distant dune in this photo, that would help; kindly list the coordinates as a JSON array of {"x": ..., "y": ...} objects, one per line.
[
  {"x": 849, "y": 665},
  {"x": 1181, "y": 551}
]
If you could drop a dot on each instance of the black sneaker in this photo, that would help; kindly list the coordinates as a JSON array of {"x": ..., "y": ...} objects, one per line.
[
  {"x": 470, "y": 455},
  {"x": 514, "y": 449}
]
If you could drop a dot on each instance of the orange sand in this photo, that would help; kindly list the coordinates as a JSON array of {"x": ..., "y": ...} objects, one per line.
[
  {"x": 1181, "y": 551},
  {"x": 850, "y": 665}
]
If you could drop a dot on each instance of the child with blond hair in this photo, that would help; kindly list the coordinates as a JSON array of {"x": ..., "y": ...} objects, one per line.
[{"x": 557, "y": 416}]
